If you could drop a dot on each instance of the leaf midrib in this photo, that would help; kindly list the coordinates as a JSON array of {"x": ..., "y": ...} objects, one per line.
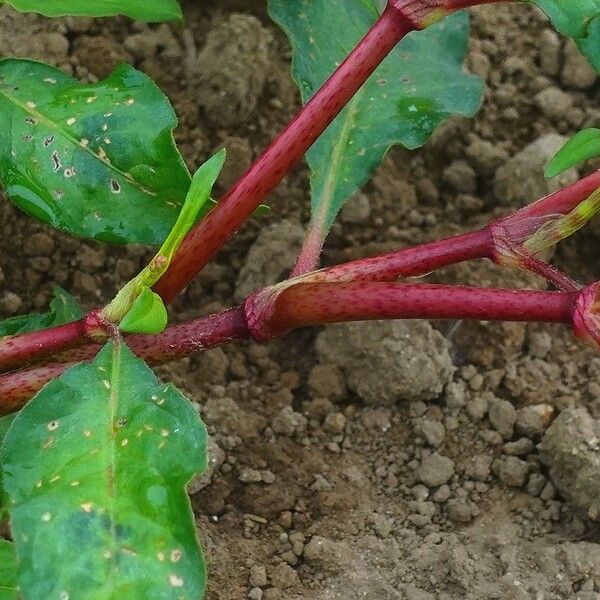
[
  {"x": 111, "y": 483},
  {"x": 337, "y": 155},
  {"x": 7, "y": 588},
  {"x": 77, "y": 143}
]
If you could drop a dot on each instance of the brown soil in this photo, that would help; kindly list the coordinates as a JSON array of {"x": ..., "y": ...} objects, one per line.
[{"x": 434, "y": 486}]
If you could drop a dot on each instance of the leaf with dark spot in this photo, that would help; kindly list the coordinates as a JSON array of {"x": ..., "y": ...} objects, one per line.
[{"x": 102, "y": 162}]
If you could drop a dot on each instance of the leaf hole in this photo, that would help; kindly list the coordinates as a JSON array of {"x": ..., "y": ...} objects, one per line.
[{"x": 56, "y": 160}]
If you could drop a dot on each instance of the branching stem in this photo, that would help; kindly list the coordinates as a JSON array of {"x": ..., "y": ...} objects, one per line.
[{"x": 308, "y": 304}]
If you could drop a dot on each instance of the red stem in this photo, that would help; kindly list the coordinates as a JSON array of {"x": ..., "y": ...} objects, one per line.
[
  {"x": 176, "y": 342},
  {"x": 19, "y": 387},
  {"x": 20, "y": 350},
  {"x": 23, "y": 349},
  {"x": 307, "y": 304},
  {"x": 562, "y": 201},
  {"x": 550, "y": 273},
  {"x": 411, "y": 262},
  {"x": 179, "y": 340},
  {"x": 205, "y": 240},
  {"x": 320, "y": 303}
]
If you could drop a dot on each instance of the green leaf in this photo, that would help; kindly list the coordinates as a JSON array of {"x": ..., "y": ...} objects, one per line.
[
  {"x": 417, "y": 87},
  {"x": 97, "y": 160},
  {"x": 197, "y": 199},
  {"x": 581, "y": 147},
  {"x": 578, "y": 19},
  {"x": 142, "y": 10},
  {"x": 5, "y": 423},
  {"x": 96, "y": 467},
  {"x": 8, "y": 571},
  {"x": 63, "y": 309},
  {"x": 147, "y": 315}
]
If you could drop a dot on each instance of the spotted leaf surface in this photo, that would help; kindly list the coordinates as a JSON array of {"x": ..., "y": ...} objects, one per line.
[
  {"x": 8, "y": 571},
  {"x": 417, "y": 87},
  {"x": 95, "y": 467},
  {"x": 579, "y": 19},
  {"x": 63, "y": 309},
  {"x": 143, "y": 10},
  {"x": 96, "y": 160}
]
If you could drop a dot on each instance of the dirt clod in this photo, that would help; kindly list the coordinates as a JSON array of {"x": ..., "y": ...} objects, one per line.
[{"x": 412, "y": 359}]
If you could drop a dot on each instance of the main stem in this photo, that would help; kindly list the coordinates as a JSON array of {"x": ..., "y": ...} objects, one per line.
[
  {"x": 321, "y": 303},
  {"x": 307, "y": 304},
  {"x": 205, "y": 240}
]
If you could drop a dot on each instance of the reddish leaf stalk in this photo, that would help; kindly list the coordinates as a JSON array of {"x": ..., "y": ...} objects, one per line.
[
  {"x": 205, "y": 240},
  {"x": 501, "y": 241},
  {"x": 178, "y": 341},
  {"x": 410, "y": 262}
]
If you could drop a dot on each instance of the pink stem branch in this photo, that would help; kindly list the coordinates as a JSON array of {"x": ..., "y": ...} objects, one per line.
[
  {"x": 20, "y": 350},
  {"x": 410, "y": 262},
  {"x": 205, "y": 240},
  {"x": 179, "y": 340},
  {"x": 321, "y": 303},
  {"x": 19, "y": 387}
]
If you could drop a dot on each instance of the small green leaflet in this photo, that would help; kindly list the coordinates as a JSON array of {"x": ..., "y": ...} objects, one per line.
[
  {"x": 197, "y": 198},
  {"x": 63, "y": 309},
  {"x": 147, "y": 315},
  {"x": 142, "y": 10},
  {"x": 8, "y": 571},
  {"x": 96, "y": 467},
  {"x": 418, "y": 86},
  {"x": 95, "y": 160},
  {"x": 136, "y": 308},
  {"x": 580, "y": 20},
  {"x": 581, "y": 147}
]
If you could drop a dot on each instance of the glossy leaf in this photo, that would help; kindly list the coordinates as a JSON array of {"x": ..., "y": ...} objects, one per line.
[
  {"x": 143, "y": 10},
  {"x": 63, "y": 309},
  {"x": 581, "y": 147},
  {"x": 579, "y": 19},
  {"x": 8, "y": 571},
  {"x": 417, "y": 87},
  {"x": 96, "y": 467},
  {"x": 96, "y": 160},
  {"x": 147, "y": 315}
]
